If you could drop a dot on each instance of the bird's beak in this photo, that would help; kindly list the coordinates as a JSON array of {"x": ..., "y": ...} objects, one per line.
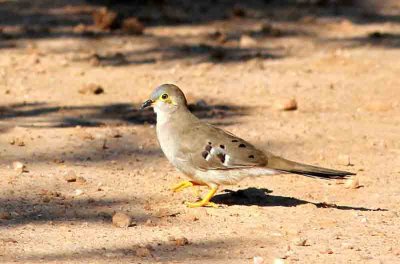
[{"x": 146, "y": 104}]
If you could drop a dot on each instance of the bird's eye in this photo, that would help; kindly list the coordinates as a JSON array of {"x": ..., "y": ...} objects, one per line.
[{"x": 164, "y": 96}]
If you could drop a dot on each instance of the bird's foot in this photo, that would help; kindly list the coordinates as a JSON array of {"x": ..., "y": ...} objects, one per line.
[
  {"x": 205, "y": 202},
  {"x": 201, "y": 204},
  {"x": 182, "y": 185}
]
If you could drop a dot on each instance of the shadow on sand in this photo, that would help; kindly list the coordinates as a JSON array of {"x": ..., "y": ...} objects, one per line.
[{"x": 262, "y": 197}]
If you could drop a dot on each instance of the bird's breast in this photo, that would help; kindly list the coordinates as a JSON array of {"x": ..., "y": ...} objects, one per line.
[{"x": 165, "y": 136}]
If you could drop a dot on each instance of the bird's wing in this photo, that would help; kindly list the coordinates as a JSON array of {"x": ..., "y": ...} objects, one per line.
[{"x": 209, "y": 148}]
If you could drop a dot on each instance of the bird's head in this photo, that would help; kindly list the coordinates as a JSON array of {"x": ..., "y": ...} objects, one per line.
[{"x": 166, "y": 98}]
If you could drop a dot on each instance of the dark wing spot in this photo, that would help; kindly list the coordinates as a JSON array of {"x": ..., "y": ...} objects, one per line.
[
  {"x": 222, "y": 146},
  {"x": 242, "y": 145},
  {"x": 208, "y": 148},
  {"x": 251, "y": 156},
  {"x": 209, "y": 143},
  {"x": 235, "y": 140},
  {"x": 205, "y": 154},
  {"x": 221, "y": 157}
]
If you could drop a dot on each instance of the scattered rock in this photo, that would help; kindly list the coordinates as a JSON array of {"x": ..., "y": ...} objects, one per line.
[
  {"x": 286, "y": 105},
  {"x": 344, "y": 159},
  {"x": 258, "y": 260},
  {"x": 5, "y": 216},
  {"x": 218, "y": 36},
  {"x": 59, "y": 161},
  {"x": 300, "y": 241},
  {"x": 9, "y": 240},
  {"x": 346, "y": 245},
  {"x": 143, "y": 252},
  {"x": 238, "y": 11},
  {"x": 121, "y": 220},
  {"x": 327, "y": 251},
  {"x": 116, "y": 134},
  {"x": 95, "y": 60},
  {"x": 78, "y": 192},
  {"x": 17, "y": 141},
  {"x": 181, "y": 241},
  {"x": 19, "y": 167},
  {"x": 91, "y": 88},
  {"x": 278, "y": 261},
  {"x": 80, "y": 180},
  {"x": 70, "y": 176},
  {"x": 104, "y": 146},
  {"x": 133, "y": 26},
  {"x": 247, "y": 41},
  {"x": 149, "y": 222},
  {"x": 352, "y": 183},
  {"x": 105, "y": 19}
]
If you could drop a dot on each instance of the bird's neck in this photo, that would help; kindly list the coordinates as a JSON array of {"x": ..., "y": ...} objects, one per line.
[{"x": 171, "y": 117}]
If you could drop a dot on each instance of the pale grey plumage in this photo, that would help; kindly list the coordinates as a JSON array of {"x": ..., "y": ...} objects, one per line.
[{"x": 209, "y": 155}]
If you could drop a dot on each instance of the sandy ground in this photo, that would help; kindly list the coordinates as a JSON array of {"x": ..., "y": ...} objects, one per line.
[{"x": 234, "y": 71}]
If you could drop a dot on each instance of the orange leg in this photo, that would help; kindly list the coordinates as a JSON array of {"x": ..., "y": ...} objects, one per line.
[
  {"x": 205, "y": 201},
  {"x": 183, "y": 185}
]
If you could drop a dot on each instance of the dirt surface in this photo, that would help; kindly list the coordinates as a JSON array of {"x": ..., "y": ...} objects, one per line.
[{"x": 68, "y": 113}]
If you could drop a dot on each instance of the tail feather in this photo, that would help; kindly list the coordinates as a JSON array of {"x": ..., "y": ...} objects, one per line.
[{"x": 281, "y": 164}]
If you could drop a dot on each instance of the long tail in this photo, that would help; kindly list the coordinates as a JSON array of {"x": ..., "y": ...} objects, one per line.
[{"x": 284, "y": 165}]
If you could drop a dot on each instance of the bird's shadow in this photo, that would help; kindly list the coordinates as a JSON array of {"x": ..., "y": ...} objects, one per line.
[{"x": 263, "y": 197}]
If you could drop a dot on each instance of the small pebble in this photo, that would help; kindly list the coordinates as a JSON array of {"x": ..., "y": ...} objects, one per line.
[
  {"x": 258, "y": 260},
  {"x": 80, "y": 180},
  {"x": 327, "y": 251},
  {"x": 181, "y": 241},
  {"x": 238, "y": 11},
  {"x": 95, "y": 60},
  {"x": 91, "y": 88},
  {"x": 247, "y": 41},
  {"x": 132, "y": 26},
  {"x": 150, "y": 222},
  {"x": 105, "y": 19},
  {"x": 70, "y": 176},
  {"x": 5, "y": 216},
  {"x": 19, "y": 166},
  {"x": 287, "y": 105},
  {"x": 279, "y": 261},
  {"x": 78, "y": 192},
  {"x": 352, "y": 183},
  {"x": 346, "y": 245},
  {"x": 121, "y": 220},
  {"x": 300, "y": 241}
]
